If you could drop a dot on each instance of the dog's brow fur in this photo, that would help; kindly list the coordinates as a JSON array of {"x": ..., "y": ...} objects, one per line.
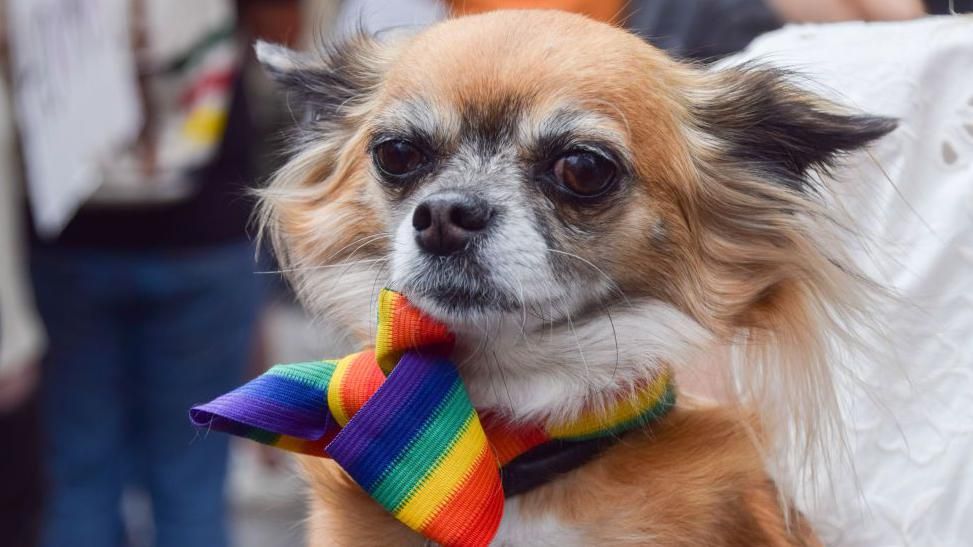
[
  {"x": 490, "y": 124},
  {"x": 435, "y": 125},
  {"x": 718, "y": 236},
  {"x": 547, "y": 130}
]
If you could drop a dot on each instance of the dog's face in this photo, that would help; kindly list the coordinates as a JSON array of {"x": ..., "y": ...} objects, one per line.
[
  {"x": 507, "y": 174},
  {"x": 509, "y": 191},
  {"x": 541, "y": 170}
]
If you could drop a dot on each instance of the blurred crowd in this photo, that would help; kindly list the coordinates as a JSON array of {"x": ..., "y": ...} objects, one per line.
[{"x": 142, "y": 295}]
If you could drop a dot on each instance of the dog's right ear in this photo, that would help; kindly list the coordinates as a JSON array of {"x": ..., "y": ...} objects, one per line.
[
  {"x": 325, "y": 86},
  {"x": 769, "y": 124}
]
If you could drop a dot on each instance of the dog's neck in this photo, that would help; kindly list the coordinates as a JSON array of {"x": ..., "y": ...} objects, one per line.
[{"x": 551, "y": 372}]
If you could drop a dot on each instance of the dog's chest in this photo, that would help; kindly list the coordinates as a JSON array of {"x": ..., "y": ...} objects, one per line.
[{"x": 516, "y": 530}]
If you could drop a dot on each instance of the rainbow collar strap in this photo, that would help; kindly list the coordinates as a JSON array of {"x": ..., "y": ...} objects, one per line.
[{"x": 399, "y": 421}]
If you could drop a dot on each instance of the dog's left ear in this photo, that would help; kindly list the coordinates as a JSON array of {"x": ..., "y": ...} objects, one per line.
[
  {"x": 325, "y": 85},
  {"x": 762, "y": 119}
]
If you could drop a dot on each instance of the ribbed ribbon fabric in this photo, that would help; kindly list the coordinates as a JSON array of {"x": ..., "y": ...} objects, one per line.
[{"x": 399, "y": 421}]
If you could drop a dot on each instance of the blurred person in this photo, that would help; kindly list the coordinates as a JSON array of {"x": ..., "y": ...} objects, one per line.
[
  {"x": 820, "y": 11},
  {"x": 946, "y": 7},
  {"x": 693, "y": 29},
  {"x": 710, "y": 29},
  {"x": 21, "y": 345},
  {"x": 149, "y": 295}
]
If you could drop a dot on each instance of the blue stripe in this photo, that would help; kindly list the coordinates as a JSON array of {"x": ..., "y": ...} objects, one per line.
[{"x": 273, "y": 403}]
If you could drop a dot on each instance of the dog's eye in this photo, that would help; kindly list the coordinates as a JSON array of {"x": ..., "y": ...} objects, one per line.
[
  {"x": 398, "y": 157},
  {"x": 584, "y": 173}
]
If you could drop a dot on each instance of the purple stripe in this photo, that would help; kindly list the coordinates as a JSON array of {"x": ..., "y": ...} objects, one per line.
[
  {"x": 393, "y": 417},
  {"x": 273, "y": 403}
]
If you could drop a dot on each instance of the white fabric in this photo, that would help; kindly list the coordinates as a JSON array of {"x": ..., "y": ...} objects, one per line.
[
  {"x": 21, "y": 336},
  {"x": 185, "y": 133},
  {"x": 911, "y": 417},
  {"x": 76, "y": 97},
  {"x": 374, "y": 16}
]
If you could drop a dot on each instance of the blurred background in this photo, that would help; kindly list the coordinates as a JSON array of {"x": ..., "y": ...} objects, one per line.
[{"x": 130, "y": 284}]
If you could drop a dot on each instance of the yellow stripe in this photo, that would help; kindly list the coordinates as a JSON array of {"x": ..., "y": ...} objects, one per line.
[
  {"x": 385, "y": 354},
  {"x": 286, "y": 442},
  {"x": 205, "y": 124},
  {"x": 435, "y": 489},
  {"x": 593, "y": 421},
  {"x": 334, "y": 389}
]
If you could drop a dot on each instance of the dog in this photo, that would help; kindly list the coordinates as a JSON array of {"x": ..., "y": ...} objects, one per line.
[{"x": 581, "y": 210}]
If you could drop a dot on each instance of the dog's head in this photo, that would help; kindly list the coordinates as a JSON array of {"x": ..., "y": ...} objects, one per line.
[{"x": 575, "y": 204}]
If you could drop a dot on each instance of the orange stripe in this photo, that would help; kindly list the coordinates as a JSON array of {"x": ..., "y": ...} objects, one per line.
[
  {"x": 413, "y": 329},
  {"x": 486, "y": 523},
  {"x": 360, "y": 382},
  {"x": 403, "y": 327},
  {"x": 472, "y": 513}
]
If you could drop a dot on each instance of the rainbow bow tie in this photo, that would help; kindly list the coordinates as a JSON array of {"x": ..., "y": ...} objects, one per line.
[{"x": 399, "y": 421}]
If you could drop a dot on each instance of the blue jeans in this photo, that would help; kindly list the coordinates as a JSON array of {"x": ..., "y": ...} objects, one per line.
[{"x": 136, "y": 338}]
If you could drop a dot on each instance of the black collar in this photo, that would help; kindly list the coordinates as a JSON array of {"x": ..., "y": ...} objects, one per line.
[{"x": 542, "y": 464}]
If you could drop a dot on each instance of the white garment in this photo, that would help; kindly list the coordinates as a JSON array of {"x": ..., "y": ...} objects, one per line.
[
  {"x": 910, "y": 420},
  {"x": 108, "y": 120},
  {"x": 21, "y": 337},
  {"x": 189, "y": 62},
  {"x": 74, "y": 88},
  {"x": 374, "y": 16}
]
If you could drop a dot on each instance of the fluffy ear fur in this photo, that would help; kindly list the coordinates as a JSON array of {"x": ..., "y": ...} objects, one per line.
[
  {"x": 771, "y": 125},
  {"x": 306, "y": 215},
  {"x": 770, "y": 263},
  {"x": 325, "y": 86}
]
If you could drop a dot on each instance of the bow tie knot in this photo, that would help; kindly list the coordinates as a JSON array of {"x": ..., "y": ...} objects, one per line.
[{"x": 399, "y": 421}]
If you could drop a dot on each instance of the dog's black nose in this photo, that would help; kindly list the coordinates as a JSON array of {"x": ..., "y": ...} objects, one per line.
[{"x": 445, "y": 223}]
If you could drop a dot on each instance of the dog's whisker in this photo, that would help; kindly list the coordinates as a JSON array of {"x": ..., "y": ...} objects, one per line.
[
  {"x": 612, "y": 284},
  {"x": 322, "y": 267},
  {"x": 611, "y": 321},
  {"x": 577, "y": 341},
  {"x": 373, "y": 302},
  {"x": 523, "y": 307},
  {"x": 363, "y": 241}
]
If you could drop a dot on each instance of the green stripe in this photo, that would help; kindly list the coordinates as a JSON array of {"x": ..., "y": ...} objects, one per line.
[
  {"x": 315, "y": 373},
  {"x": 186, "y": 61},
  {"x": 460, "y": 431},
  {"x": 661, "y": 407},
  {"x": 263, "y": 436},
  {"x": 421, "y": 456}
]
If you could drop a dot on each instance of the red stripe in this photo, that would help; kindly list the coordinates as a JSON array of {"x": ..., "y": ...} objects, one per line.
[
  {"x": 414, "y": 329},
  {"x": 472, "y": 514},
  {"x": 317, "y": 448},
  {"x": 217, "y": 80},
  {"x": 508, "y": 441}
]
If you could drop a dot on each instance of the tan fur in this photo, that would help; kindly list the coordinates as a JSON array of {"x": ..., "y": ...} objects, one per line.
[
  {"x": 758, "y": 265},
  {"x": 694, "y": 479},
  {"x": 341, "y": 514}
]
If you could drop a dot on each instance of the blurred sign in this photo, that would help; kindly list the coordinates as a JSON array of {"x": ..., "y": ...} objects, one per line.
[{"x": 76, "y": 96}]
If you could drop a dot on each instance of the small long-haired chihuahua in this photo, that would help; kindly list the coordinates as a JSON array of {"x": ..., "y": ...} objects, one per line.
[{"x": 581, "y": 210}]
